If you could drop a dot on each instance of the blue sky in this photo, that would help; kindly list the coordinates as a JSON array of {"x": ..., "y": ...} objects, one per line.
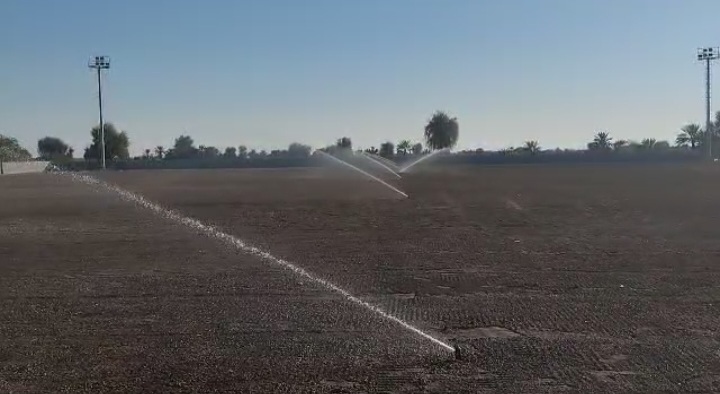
[{"x": 265, "y": 73}]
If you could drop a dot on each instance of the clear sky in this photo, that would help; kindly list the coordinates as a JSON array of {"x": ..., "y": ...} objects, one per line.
[{"x": 265, "y": 73}]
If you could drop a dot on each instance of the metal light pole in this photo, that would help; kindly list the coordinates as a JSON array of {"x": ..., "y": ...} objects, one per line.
[
  {"x": 708, "y": 55},
  {"x": 100, "y": 63}
]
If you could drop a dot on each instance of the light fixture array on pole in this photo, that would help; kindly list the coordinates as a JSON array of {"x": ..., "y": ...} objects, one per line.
[
  {"x": 708, "y": 55},
  {"x": 100, "y": 63}
]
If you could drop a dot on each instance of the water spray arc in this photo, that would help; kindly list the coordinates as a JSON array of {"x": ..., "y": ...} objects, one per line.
[
  {"x": 380, "y": 164},
  {"x": 367, "y": 174},
  {"x": 247, "y": 248},
  {"x": 381, "y": 159},
  {"x": 420, "y": 160}
]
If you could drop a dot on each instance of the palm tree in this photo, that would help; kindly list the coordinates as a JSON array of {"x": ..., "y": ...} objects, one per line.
[
  {"x": 159, "y": 151},
  {"x": 691, "y": 135},
  {"x": 601, "y": 141},
  {"x": 441, "y": 131},
  {"x": 648, "y": 143},
  {"x": 403, "y": 147},
  {"x": 619, "y": 144},
  {"x": 531, "y": 147}
]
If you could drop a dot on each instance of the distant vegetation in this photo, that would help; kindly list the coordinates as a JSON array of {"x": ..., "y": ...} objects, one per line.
[
  {"x": 117, "y": 144},
  {"x": 441, "y": 131},
  {"x": 52, "y": 148},
  {"x": 10, "y": 149}
]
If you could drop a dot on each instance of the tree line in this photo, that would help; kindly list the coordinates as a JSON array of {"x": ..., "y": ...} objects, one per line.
[{"x": 441, "y": 131}]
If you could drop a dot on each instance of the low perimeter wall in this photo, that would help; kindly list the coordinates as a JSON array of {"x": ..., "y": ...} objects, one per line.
[{"x": 23, "y": 167}]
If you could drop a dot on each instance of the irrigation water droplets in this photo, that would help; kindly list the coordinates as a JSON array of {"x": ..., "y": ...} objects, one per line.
[
  {"x": 379, "y": 164},
  {"x": 247, "y": 248},
  {"x": 367, "y": 174},
  {"x": 422, "y": 159}
]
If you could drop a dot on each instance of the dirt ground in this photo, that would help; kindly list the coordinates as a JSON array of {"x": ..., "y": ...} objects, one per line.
[{"x": 601, "y": 278}]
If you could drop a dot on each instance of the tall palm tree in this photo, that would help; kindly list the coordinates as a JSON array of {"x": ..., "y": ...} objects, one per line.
[
  {"x": 441, "y": 131},
  {"x": 691, "y": 135},
  {"x": 159, "y": 151},
  {"x": 531, "y": 147},
  {"x": 602, "y": 141}
]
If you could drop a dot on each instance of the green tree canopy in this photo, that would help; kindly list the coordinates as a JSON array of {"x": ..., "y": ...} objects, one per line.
[
  {"x": 417, "y": 149},
  {"x": 10, "y": 149},
  {"x": 183, "y": 148},
  {"x": 242, "y": 151},
  {"x": 297, "y": 150},
  {"x": 344, "y": 143},
  {"x": 531, "y": 147},
  {"x": 53, "y": 148},
  {"x": 601, "y": 142},
  {"x": 441, "y": 131},
  {"x": 208, "y": 152},
  {"x": 117, "y": 144},
  {"x": 387, "y": 149},
  {"x": 619, "y": 144},
  {"x": 661, "y": 145},
  {"x": 690, "y": 135},
  {"x": 230, "y": 152},
  {"x": 648, "y": 143},
  {"x": 159, "y": 152},
  {"x": 403, "y": 147}
]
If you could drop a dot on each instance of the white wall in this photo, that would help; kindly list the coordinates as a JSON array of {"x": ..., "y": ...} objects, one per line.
[{"x": 24, "y": 167}]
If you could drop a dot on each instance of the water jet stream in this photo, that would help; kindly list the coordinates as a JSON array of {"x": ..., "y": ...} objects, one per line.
[
  {"x": 379, "y": 163},
  {"x": 381, "y": 159},
  {"x": 420, "y": 160},
  {"x": 367, "y": 174},
  {"x": 247, "y": 248}
]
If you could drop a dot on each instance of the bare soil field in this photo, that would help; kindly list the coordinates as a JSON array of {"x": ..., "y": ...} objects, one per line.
[{"x": 602, "y": 278}]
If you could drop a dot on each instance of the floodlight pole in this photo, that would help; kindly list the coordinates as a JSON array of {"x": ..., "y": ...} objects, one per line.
[
  {"x": 708, "y": 55},
  {"x": 102, "y": 125},
  {"x": 99, "y": 63},
  {"x": 708, "y": 126}
]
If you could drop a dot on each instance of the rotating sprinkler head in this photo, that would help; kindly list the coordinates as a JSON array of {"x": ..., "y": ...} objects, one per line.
[{"x": 457, "y": 350}]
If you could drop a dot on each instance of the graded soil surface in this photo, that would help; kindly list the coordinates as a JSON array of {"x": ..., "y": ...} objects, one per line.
[{"x": 602, "y": 278}]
